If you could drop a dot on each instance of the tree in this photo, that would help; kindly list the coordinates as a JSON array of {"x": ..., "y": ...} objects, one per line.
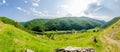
[{"x": 38, "y": 28}]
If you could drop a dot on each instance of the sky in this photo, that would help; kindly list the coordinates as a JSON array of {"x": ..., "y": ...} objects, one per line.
[{"x": 24, "y": 10}]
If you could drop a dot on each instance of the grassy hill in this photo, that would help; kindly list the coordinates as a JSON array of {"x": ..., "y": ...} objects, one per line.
[
  {"x": 110, "y": 37},
  {"x": 14, "y": 23},
  {"x": 111, "y": 22},
  {"x": 16, "y": 40},
  {"x": 13, "y": 39}
]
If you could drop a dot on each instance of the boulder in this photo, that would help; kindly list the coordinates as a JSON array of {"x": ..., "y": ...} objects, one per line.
[
  {"x": 75, "y": 49},
  {"x": 28, "y": 50}
]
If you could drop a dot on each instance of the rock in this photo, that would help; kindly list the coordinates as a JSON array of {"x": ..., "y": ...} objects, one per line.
[
  {"x": 75, "y": 49},
  {"x": 28, "y": 50},
  {"x": 94, "y": 39},
  {"x": 16, "y": 40},
  {"x": 59, "y": 50}
]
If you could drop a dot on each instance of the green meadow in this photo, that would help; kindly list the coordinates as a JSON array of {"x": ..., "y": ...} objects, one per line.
[
  {"x": 13, "y": 39},
  {"x": 16, "y": 40}
]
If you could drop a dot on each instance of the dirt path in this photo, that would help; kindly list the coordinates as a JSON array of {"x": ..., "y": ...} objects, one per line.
[
  {"x": 112, "y": 41},
  {"x": 109, "y": 44}
]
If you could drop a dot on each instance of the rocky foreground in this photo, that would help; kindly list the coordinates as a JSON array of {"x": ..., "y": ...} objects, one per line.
[{"x": 74, "y": 49}]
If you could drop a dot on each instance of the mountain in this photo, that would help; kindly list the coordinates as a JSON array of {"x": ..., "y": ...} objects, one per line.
[
  {"x": 36, "y": 24},
  {"x": 111, "y": 22},
  {"x": 66, "y": 23}
]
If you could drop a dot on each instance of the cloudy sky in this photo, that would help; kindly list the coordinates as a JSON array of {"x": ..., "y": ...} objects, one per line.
[{"x": 24, "y": 10}]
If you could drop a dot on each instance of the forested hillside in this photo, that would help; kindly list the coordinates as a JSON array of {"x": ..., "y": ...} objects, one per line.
[
  {"x": 109, "y": 23},
  {"x": 66, "y": 23}
]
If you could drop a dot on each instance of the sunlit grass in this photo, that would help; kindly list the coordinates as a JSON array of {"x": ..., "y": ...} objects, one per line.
[{"x": 15, "y": 40}]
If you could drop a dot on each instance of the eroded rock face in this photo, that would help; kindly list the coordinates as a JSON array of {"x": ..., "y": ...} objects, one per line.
[{"x": 75, "y": 49}]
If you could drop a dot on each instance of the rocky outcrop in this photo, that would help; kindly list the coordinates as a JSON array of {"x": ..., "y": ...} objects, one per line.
[
  {"x": 74, "y": 49},
  {"x": 28, "y": 50}
]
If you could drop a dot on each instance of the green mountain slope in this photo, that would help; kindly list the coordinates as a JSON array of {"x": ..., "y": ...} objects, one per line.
[
  {"x": 111, "y": 22},
  {"x": 66, "y": 23},
  {"x": 110, "y": 37},
  {"x": 16, "y": 40},
  {"x": 73, "y": 23},
  {"x": 14, "y": 23},
  {"x": 13, "y": 39},
  {"x": 34, "y": 23},
  {"x": 11, "y": 22}
]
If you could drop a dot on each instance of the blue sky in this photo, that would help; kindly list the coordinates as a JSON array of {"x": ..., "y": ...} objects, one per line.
[{"x": 24, "y": 10}]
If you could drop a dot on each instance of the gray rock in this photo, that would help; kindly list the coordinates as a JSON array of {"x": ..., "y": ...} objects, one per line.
[
  {"x": 75, "y": 49},
  {"x": 28, "y": 50}
]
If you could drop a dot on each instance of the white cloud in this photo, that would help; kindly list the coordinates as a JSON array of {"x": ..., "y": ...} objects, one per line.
[
  {"x": 19, "y": 8},
  {"x": 106, "y": 10},
  {"x": 38, "y": 13},
  {"x": 77, "y": 7},
  {"x": 98, "y": 9},
  {"x": 35, "y": 3},
  {"x": 23, "y": 10},
  {"x": 2, "y": 2},
  {"x": 106, "y": 18},
  {"x": 25, "y": 1},
  {"x": 42, "y": 14},
  {"x": 34, "y": 12}
]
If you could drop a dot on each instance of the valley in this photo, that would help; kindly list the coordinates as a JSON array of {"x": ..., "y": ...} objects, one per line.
[{"x": 14, "y": 39}]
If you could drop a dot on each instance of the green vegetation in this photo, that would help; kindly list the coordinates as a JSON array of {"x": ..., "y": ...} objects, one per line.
[
  {"x": 18, "y": 40},
  {"x": 13, "y": 39},
  {"x": 14, "y": 23},
  {"x": 110, "y": 38},
  {"x": 111, "y": 22},
  {"x": 36, "y": 24},
  {"x": 66, "y": 23}
]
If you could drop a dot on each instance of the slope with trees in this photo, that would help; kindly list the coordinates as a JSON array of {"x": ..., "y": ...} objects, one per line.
[
  {"x": 111, "y": 22},
  {"x": 66, "y": 23}
]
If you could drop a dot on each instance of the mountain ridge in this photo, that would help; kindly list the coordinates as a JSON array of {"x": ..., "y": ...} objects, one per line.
[{"x": 66, "y": 22}]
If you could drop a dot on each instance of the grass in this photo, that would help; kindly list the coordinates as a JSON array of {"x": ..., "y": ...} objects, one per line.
[
  {"x": 15, "y": 40},
  {"x": 110, "y": 38}
]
